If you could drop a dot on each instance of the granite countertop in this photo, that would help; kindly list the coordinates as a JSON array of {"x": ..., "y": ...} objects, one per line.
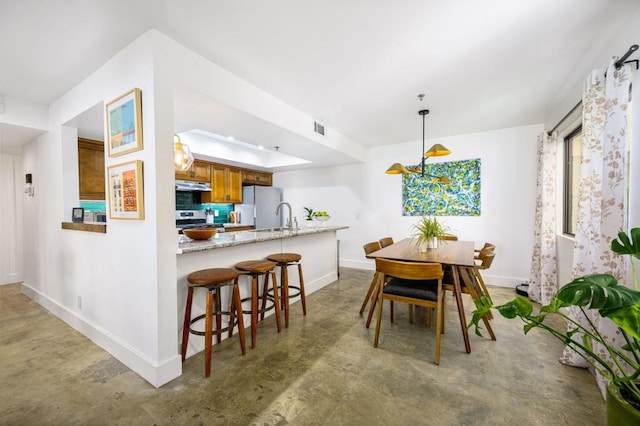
[{"x": 229, "y": 239}]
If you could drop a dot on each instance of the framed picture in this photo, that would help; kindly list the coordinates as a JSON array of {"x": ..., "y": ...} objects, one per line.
[
  {"x": 124, "y": 123},
  {"x": 77, "y": 214},
  {"x": 126, "y": 198}
]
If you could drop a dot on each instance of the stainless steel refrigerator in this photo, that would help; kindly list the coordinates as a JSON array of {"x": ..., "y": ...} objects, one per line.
[{"x": 261, "y": 203}]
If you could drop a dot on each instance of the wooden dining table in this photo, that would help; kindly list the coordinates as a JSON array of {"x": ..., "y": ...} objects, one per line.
[{"x": 456, "y": 254}]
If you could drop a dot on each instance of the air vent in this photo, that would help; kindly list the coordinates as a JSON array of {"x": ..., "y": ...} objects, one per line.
[{"x": 318, "y": 128}]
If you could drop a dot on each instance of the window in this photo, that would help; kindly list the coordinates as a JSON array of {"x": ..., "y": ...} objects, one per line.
[{"x": 572, "y": 159}]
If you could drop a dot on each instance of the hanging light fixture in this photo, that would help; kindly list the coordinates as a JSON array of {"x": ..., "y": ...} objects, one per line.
[
  {"x": 182, "y": 156},
  {"x": 435, "y": 151}
]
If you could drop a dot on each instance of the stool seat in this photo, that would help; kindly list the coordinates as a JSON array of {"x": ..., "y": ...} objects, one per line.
[
  {"x": 255, "y": 266},
  {"x": 207, "y": 277},
  {"x": 213, "y": 280},
  {"x": 284, "y": 257}
]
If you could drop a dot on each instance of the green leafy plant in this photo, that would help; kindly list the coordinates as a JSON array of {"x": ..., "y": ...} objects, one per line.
[
  {"x": 602, "y": 293},
  {"x": 309, "y": 214},
  {"x": 429, "y": 228}
]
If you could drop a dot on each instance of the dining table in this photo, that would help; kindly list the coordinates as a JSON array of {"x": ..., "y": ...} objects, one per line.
[{"x": 457, "y": 254}]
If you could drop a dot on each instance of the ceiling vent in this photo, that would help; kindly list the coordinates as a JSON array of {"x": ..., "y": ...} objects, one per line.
[{"x": 318, "y": 128}]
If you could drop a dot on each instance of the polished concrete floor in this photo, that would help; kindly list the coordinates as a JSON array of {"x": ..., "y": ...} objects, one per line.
[{"x": 322, "y": 370}]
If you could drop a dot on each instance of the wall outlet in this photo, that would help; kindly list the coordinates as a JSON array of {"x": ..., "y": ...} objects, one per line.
[
  {"x": 79, "y": 302},
  {"x": 216, "y": 213}
]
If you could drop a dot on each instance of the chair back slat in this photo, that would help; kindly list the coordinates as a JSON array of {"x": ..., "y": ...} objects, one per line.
[
  {"x": 371, "y": 247},
  {"x": 386, "y": 241},
  {"x": 409, "y": 270}
]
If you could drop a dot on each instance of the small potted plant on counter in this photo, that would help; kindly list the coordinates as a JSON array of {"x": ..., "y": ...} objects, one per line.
[
  {"x": 309, "y": 214},
  {"x": 619, "y": 364},
  {"x": 428, "y": 232}
]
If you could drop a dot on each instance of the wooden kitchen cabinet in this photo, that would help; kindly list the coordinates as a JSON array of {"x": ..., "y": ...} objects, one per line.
[
  {"x": 254, "y": 177},
  {"x": 200, "y": 171},
  {"x": 226, "y": 185},
  {"x": 91, "y": 169}
]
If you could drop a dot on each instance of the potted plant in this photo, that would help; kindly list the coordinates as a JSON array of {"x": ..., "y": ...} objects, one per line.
[
  {"x": 428, "y": 232},
  {"x": 309, "y": 214},
  {"x": 602, "y": 293}
]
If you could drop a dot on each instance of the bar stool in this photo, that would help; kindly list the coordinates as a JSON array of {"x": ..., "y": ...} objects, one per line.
[
  {"x": 213, "y": 280},
  {"x": 255, "y": 269},
  {"x": 284, "y": 260}
]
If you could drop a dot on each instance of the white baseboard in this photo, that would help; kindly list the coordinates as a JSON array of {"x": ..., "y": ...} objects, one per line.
[{"x": 155, "y": 373}]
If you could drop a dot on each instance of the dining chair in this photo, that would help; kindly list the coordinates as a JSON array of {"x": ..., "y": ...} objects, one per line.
[
  {"x": 386, "y": 241},
  {"x": 414, "y": 283},
  {"x": 370, "y": 248},
  {"x": 471, "y": 283},
  {"x": 484, "y": 259}
]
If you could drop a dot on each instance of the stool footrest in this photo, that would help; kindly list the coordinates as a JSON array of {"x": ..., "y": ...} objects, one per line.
[
  {"x": 213, "y": 332},
  {"x": 260, "y": 310}
]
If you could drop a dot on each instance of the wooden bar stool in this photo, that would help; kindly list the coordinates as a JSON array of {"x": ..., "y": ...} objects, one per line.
[
  {"x": 284, "y": 260},
  {"x": 213, "y": 280},
  {"x": 255, "y": 269}
]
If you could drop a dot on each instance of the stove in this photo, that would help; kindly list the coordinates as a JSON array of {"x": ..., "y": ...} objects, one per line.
[{"x": 187, "y": 219}]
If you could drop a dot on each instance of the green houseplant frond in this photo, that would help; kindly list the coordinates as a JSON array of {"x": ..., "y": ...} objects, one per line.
[{"x": 600, "y": 292}]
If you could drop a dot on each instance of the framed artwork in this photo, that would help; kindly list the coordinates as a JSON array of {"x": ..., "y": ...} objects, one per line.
[
  {"x": 423, "y": 196},
  {"x": 124, "y": 123},
  {"x": 126, "y": 197}
]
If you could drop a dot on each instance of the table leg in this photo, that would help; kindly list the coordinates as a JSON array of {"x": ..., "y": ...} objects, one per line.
[{"x": 457, "y": 290}]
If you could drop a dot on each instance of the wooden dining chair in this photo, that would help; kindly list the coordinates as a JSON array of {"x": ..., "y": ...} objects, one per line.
[
  {"x": 386, "y": 241},
  {"x": 370, "y": 248},
  {"x": 471, "y": 283},
  {"x": 484, "y": 259},
  {"x": 414, "y": 283}
]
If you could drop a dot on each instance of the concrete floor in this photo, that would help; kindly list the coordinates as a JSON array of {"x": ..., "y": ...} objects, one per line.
[{"x": 323, "y": 370}]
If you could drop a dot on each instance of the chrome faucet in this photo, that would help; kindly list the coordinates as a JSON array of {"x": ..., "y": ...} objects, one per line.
[{"x": 289, "y": 223}]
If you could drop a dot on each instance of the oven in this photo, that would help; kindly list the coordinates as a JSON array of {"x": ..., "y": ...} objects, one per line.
[{"x": 186, "y": 219}]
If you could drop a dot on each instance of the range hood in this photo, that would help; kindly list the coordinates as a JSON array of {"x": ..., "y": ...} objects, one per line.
[{"x": 185, "y": 185}]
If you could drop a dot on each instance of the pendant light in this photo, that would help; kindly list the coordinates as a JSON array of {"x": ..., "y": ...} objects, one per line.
[
  {"x": 182, "y": 156},
  {"x": 436, "y": 150}
]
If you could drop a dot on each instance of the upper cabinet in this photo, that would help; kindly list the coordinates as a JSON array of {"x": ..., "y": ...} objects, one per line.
[
  {"x": 226, "y": 185},
  {"x": 200, "y": 171},
  {"x": 91, "y": 169},
  {"x": 254, "y": 177}
]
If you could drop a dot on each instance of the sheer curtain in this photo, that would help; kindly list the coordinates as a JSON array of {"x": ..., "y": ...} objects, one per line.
[
  {"x": 543, "y": 280},
  {"x": 602, "y": 206}
]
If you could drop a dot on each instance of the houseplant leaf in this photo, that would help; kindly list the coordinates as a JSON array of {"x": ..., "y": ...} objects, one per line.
[{"x": 626, "y": 245}]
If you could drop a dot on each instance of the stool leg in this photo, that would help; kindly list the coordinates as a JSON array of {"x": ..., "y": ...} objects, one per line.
[
  {"x": 187, "y": 320},
  {"x": 218, "y": 306},
  {"x": 284, "y": 285},
  {"x": 276, "y": 298},
  {"x": 303, "y": 298},
  {"x": 265, "y": 291},
  {"x": 237, "y": 308},
  {"x": 208, "y": 340},
  {"x": 254, "y": 309}
]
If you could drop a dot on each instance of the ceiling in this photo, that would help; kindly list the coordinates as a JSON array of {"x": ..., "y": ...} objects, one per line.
[{"x": 356, "y": 66}]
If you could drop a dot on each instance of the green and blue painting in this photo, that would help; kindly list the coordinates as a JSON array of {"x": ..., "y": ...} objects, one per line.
[{"x": 423, "y": 196}]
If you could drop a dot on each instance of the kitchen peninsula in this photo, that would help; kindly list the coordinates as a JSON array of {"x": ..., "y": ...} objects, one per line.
[{"x": 318, "y": 247}]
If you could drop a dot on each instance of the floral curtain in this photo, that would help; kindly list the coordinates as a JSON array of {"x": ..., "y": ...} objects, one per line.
[
  {"x": 602, "y": 206},
  {"x": 543, "y": 281}
]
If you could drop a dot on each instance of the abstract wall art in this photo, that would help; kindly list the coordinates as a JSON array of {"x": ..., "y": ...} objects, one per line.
[{"x": 422, "y": 196}]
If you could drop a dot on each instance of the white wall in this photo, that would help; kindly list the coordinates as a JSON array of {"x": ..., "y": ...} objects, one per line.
[
  {"x": 369, "y": 201},
  {"x": 11, "y": 195},
  {"x": 116, "y": 288}
]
